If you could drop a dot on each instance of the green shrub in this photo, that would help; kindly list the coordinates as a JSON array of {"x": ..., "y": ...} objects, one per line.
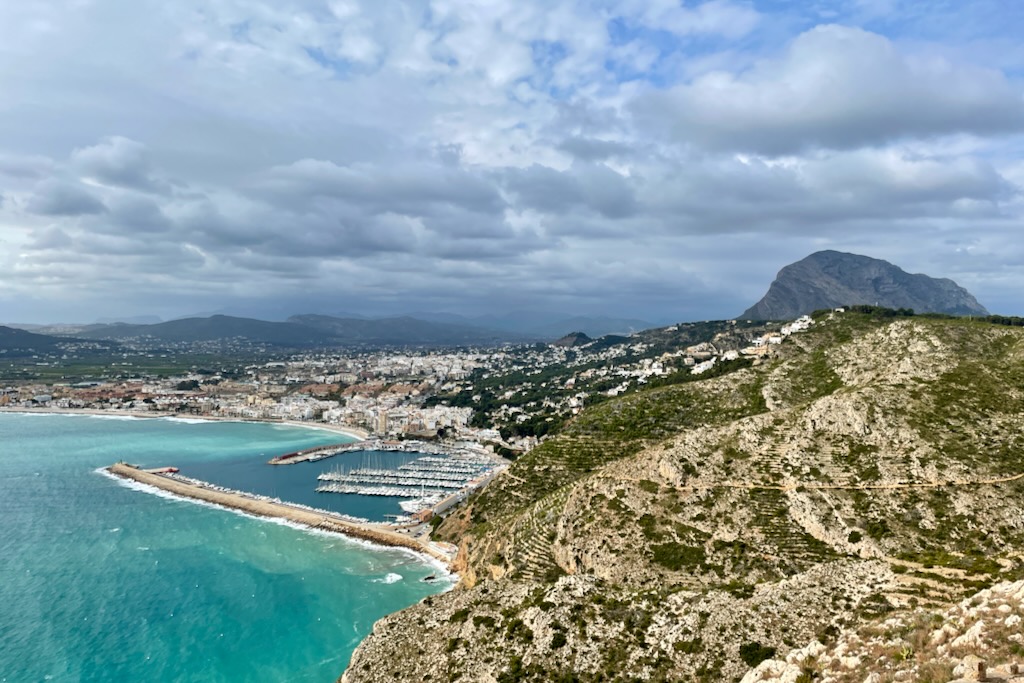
[
  {"x": 688, "y": 647},
  {"x": 676, "y": 556},
  {"x": 754, "y": 653}
]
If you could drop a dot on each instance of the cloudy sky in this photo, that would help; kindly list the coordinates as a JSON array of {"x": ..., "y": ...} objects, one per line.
[{"x": 659, "y": 159}]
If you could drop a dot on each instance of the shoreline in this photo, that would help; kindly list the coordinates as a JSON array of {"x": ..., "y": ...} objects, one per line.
[
  {"x": 307, "y": 519},
  {"x": 353, "y": 432}
]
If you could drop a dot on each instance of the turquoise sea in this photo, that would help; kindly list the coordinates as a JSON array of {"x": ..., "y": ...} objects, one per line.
[{"x": 100, "y": 582}]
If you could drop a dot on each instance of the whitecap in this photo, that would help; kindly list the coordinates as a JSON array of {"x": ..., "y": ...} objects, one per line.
[
  {"x": 112, "y": 417},
  {"x": 390, "y": 578}
]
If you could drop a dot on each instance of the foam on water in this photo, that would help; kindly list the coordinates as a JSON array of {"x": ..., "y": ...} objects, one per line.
[{"x": 192, "y": 420}]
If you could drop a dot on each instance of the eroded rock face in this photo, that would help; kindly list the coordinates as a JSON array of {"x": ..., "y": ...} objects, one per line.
[{"x": 975, "y": 640}]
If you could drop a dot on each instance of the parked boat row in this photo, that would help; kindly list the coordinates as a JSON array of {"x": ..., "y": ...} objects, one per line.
[
  {"x": 420, "y": 473},
  {"x": 428, "y": 482},
  {"x": 372, "y": 490},
  {"x": 454, "y": 467},
  {"x": 393, "y": 479}
]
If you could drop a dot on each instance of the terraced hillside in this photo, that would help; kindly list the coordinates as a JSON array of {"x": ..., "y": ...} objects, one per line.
[{"x": 690, "y": 531}]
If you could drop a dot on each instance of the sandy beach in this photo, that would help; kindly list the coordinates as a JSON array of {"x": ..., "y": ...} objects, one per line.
[
  {"x": 373, "y": 533},
  {"x": 353, "y": 432}
]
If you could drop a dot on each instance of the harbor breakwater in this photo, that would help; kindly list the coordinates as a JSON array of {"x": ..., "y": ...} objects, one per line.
[{"x": 322, "y": 521}]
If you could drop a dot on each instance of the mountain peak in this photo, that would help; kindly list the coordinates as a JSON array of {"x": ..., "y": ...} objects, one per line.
[{"x": 826, "y": 279}]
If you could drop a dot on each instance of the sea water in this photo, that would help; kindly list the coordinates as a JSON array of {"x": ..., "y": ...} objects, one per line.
[
  {"x": 297, "y": 482},
  {"x": 101, "y": 582}
]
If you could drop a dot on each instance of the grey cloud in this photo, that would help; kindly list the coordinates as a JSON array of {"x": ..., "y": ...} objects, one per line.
[
  {"x": 204, "y": 222},
  {"x": 894, "y": 178},
  {"x": 311, "y": 232},
  {"x": 543, "y": 188},
  {"x": 401, "y": 188},
  {"x": 594, "y": 149},
  {"x": 606, "y": 191},
  {"x": 25, "y": 167},
  {"x": 60, "y": 198},
  {"x": 834, "y": 87},
  {"x": 51, "y": 238},
  {"x": 120, "y": 162},
  {"x": 138, "y": 215},
  {"x": 820, "y": 194},
  {"x": 590, "y": 186}
]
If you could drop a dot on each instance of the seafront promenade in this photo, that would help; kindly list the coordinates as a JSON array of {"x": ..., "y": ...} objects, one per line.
[{"x": 375, "y": 533}]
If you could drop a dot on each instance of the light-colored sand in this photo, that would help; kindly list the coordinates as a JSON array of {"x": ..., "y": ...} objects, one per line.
[
  {"x": 367, "y": 532},
  {"x": 354, "y": 432}
]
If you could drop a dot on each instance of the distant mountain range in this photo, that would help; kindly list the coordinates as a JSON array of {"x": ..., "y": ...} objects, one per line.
[
  {"x": 544, "y": 325},
  {"x": 402, "y": 330},
  {"x": 214, "y": 328},
  {"x": 827, "y": 279},
  {"x": 305, "y": 331},
  {"x": 529, "y": 323},
  {"x": 315, "y": 330},
  {"x": 16, "y": 342}
]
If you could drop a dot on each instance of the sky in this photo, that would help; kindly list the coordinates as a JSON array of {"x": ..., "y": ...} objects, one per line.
[{"x": 654, "y": 159}]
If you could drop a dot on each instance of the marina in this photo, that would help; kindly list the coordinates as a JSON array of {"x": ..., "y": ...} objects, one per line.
[{"x": 427, "y": 480}]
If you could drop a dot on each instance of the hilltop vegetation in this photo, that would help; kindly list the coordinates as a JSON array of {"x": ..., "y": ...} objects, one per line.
[{"x": 686, "y": 532}]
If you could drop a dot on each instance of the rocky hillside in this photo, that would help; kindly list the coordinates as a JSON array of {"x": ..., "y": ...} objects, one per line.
[
  {"x": 870, "y": 467},
  {"x": 827, "y": 279},
  {"x": 979, "y": 638}
]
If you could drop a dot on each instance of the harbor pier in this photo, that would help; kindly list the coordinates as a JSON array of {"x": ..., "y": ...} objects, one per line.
[{"x": 380, "y": 534}]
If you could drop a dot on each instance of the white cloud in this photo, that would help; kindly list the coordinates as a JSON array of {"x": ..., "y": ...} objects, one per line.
[
  {"x": 719, "y": 17},
  {"x": 836, "y": 87}
]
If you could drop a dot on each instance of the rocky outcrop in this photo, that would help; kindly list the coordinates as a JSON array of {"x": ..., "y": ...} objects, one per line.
[
  {"x": 827, "y": 279},
  {"x": 979, "y": 639}
]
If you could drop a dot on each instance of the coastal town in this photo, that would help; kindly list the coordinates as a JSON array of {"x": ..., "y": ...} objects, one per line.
[{"x": 506, "y": 399}]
